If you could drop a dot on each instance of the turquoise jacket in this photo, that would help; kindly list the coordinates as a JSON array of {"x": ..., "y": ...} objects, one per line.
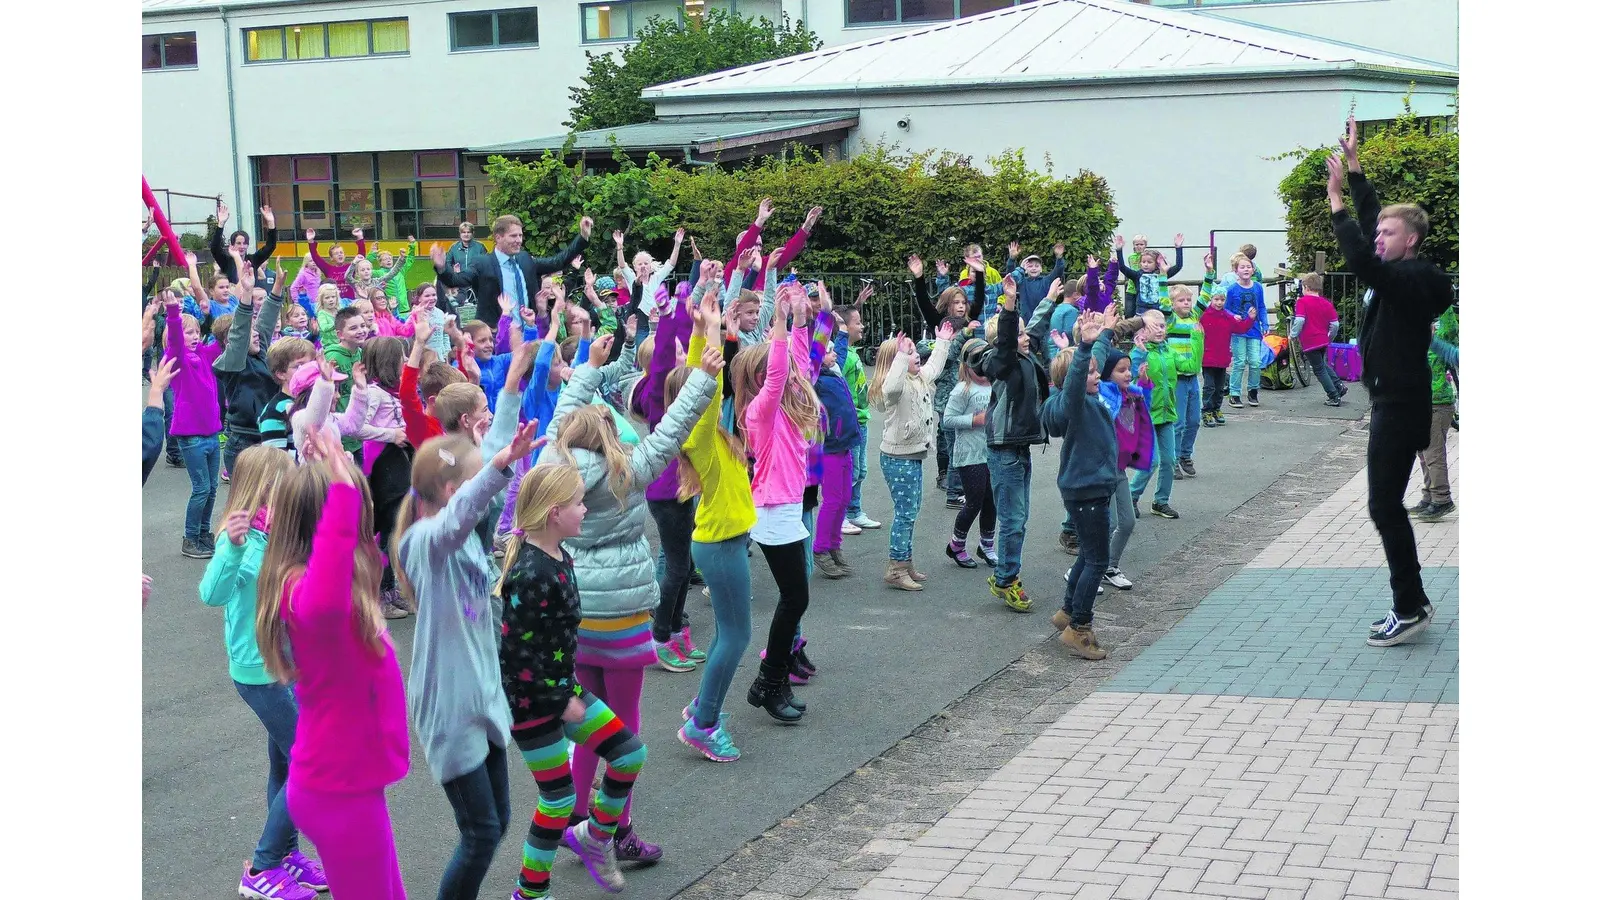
[{"x": 230, "y": 582}]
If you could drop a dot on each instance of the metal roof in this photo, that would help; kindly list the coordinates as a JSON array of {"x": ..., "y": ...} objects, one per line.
[
  {"x": 164, "y": 7},
  {"x": 704, "y": 134},
  {"x": 1058, "y": 41}
]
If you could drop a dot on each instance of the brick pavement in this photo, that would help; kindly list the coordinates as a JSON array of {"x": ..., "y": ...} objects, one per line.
[{"x": 1259, "y": 749}]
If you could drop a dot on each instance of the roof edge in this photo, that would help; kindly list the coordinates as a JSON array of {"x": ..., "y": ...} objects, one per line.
[{"x": 1109, "y": 76}]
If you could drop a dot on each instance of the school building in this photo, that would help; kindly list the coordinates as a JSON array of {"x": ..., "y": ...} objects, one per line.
[{"x": 373, "y": 114}]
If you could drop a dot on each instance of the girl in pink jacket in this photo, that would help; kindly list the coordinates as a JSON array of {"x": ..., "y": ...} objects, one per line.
[
  {"x": 319, "y": 628},
  {"x": 778, "y": 412}
]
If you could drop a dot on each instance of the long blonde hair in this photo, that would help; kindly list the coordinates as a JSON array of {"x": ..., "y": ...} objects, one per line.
[
  {"x": 591, "y": 428},
  {"x": 545, "y": 487},
  {"x": 689, "y": 484},
  {"x": 255, "y": 476},
  {"x": 798, "y": 400},
  {"x": 440, "y": 462},
  {"x": 296, "y": 509},
  {"x": 887, "y": 351}
]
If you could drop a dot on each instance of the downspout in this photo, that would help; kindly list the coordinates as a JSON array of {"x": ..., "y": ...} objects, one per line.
[
  {"x": 689, "y": 160},
  {"x": 233, "y": 122}
]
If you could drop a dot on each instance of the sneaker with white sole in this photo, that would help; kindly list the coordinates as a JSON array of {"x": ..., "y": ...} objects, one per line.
[
  {"x": 1396, "y": 630},
  {"x": 598, "y": 856},
  {"x": 668, "y": 659},
  {"x": 273, "y": 884},
  {"x": 1098, "y": 589},
  {"x": 862, "y": 521},
  {"x": 306, "y": 870},
  {"x": 1116, "y": 579},
  {"x": 849, "y": 527},
  {"x": 1427, "y": 610}
]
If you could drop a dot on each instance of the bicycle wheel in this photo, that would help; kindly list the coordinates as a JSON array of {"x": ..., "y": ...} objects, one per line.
[{"x": 1302, "y": 369}]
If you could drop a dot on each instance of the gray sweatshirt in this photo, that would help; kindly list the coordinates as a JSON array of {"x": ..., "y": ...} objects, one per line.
[
  {"x": 971, "y": 446},
  {"x": 454, "y": 693}
]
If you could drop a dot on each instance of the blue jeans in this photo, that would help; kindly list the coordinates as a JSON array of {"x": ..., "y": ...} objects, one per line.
[
  {"x": 482, "y": 803},
  {"x": 1246, "y": 358},
  {"x": 1011, "y": 475},
  {"x": 201, "y": 456},
  {"x": 1318, "y": 359},
  {"x": 166, "y": 411},
  {"x": 1166, "y": 455},
  {"x": 904, "y": 477},
  {"x": 858, "y": 454},
  {"x": 725, "y": 566},
  {"x": 1093, "y": 518},
  {"x": 1188, "y": 394},
  {"x": 274, "y": 705}
]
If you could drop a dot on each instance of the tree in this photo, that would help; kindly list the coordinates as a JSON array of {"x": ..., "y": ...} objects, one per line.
[{"x": 667, "y": 50}]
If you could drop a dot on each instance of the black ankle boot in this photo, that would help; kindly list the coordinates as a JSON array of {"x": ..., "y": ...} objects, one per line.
[{"x": 770, "y": 692}]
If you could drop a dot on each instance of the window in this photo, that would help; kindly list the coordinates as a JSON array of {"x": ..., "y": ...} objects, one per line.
[
  {"x": 331, "y": 40},
  {"x": 754, "y": 10},
  {"x": 494, "y": 28},
  {"x": 622, "y": 20},
  {"x": 1427, "y": 124},
  {"x": 889, "y": 12},
  {"x": 390, "y": 196},
  {"x": 170, "y": 51}
]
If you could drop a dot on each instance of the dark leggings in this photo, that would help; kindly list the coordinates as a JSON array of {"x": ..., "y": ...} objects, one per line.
[
  {"x": 1216, "y": 387},
  {"x": 788, "y": 565},
  {"x": 675, "y": 525},
  {"x": 979, "y": 503},
  {"x": 390, "y": 481}
]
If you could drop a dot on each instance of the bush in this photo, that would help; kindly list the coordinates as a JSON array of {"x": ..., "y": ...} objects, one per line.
[{"x": 879, "y": 206}]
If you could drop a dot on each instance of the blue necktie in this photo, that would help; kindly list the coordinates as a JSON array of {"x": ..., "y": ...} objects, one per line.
[{"x": 521, "y": 293}]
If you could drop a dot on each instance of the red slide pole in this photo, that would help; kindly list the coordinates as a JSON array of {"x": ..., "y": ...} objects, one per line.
[{"x": 164, "y": 227}]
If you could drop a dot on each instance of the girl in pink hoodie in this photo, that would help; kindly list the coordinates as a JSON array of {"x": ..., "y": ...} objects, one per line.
[
  {"x": 384, "y": 320},
  {"x": 778, "y": 412},
  {"x": 318, "y": 594}
]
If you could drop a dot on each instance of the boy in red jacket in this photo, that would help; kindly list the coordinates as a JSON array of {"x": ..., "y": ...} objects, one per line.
[{"x": 1220, "y": 326}]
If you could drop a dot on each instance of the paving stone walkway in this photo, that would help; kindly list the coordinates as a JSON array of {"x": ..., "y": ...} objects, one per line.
[{"x": 1258, "y": 749}]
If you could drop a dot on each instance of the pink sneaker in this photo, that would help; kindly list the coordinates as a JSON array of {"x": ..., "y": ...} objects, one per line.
[{"x": 273, "y": 884}]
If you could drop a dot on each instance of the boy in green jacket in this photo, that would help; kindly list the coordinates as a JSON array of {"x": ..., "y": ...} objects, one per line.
[
  {"x": 1187, "y": 340},
  {"x": 1155, "y": 358},
  {"x": 1436, "y": 502}
]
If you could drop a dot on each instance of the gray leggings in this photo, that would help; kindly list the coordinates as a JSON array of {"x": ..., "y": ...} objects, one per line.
[{"x": 1122, "y": 515}]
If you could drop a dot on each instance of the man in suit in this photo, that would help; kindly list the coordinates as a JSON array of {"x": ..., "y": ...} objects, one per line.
[{"x": 508, "y": 269}]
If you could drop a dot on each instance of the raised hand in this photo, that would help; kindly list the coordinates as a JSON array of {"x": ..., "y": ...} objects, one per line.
[
  {"x": 1089, "y": 327},
  {"x": 424, "y": 328},
  {"x": 942, "y": 267},
  {"x": 678, "y": 236},
  {"x": 711, "y": 361},
  {"x": 1060, "y": 249},
  {"x": 600, "y": 350},
  {"x": 311, "y": 235},
  {"x": 824, "y": 299},
  {"x": 1062, "y": 340},
  {"x": 1348, "y": 142},
  {"x": 1008, "y": 286},
  {"x": 1116, "y": 242},
  {"x": 505, "y": 304},
  {"x": 222, "y": 214},
  {"x": 905, "y": 345},
  {"x": 1139, "y": 338},
  {"x": 236, "y": 526},
  {"x": 1092, "y": 261},
  {"x": 946, "y": 331},
  {"x": 1209, "y": 261},
  {"x": 358, "y": 234},
  {"x": 865, "y": 294},
  {"x": 1055, "y": 291},
  {"x": 577, "y": 262},
  {"x": 585, "y": 227},
  {"x": 630, "y": 328},
  {"x": 914, "y": 263},
  {"x": 812, "y": 216},
  {"x": 1015, "y": 249},
  {"x": 162, "y": 375},
  {"x": 358, "y": 376},
  {"x": 1177, "y": 240},
  {"x": 1335, "y": 176},
  {"x": 764, "y": 211},
  {"x": 695, "y": 249},
  {"x": 267, "y": 218},
  {"x": 746, "y": 259},
  {"x": 522, "y": 445},
  {"x": 1110, "y": 318}
]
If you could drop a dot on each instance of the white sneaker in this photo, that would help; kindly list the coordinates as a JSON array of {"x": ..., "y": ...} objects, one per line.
[
  {"x": 849, "y": 528},
  {"x": 862, "y": 521},
  {"x": 1116, "y": 579},
  {"x": 1098, "y": 589}
]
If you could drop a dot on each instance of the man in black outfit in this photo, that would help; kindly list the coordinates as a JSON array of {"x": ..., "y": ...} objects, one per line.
[
  {"x": 508, "y": 269},
  {"x": 1406, "y": 294},
  {"x": 240, "y": 241}
]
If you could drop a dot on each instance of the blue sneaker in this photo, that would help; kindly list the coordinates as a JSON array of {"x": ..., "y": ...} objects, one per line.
[
  {"x": 1396, "y": 630},
  {"x": 715, "y": 744}
]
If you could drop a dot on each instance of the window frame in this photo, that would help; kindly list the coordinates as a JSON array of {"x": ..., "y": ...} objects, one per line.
[
  {"x": 900, "y": 19},
  {"x": 494, "y": 29},
  {"x": 327, "y": 41},
  {"x": 335, "y": 221},
  {"x": 583, "y": 25},
  {"x": 162, "y": 37}
]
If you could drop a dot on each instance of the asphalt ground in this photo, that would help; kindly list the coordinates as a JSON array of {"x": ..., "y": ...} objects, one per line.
[{"x": 889, "y": 661}]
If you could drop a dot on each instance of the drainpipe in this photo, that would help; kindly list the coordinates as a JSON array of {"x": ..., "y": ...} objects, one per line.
[
  {"x": 689, "y": 160},
  {"x": 233, "y": 122}
]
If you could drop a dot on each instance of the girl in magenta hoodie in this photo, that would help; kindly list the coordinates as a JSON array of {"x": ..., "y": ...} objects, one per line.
[
  {"x": 778, "y": 412},
  {"x": 319, "y": 627},
  {"x": 196, "y": 416}
]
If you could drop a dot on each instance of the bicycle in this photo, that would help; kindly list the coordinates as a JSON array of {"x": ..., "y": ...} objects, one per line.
[{"x": 1292, "y": 365}]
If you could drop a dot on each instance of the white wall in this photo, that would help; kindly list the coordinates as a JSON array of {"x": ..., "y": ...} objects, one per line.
[
  {"x": 185, "y": 145},
  {"x": 1426, "y": 29},
  {"x": 1204, "y": 164}
]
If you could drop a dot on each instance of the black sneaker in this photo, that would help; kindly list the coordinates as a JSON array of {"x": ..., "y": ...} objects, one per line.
[
  {"x": 1233, "y": 401},
  {"x": 1396, "y": 630},
  {"x": 1333, "y": 401},
  {"x": 1437, "y": 511},
  {"x": 1420, "y": 508},
  {"x": 1252, "y": 400},
  {"x": 1163, "y": 510},
  {"x": 195, "y": 549},
  {"x": 1427, "y": 610},
  {"x": 1342, "y": 389},
  {"x": 1136, "y": 513},
  {"x": 954, "y": 502},
  {"x": 1187, "y": 465},
  {"x": 1069, "y": 542},
  {"x": 209, "y": 539}
]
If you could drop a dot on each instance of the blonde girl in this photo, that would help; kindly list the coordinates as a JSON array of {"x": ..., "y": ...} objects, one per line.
[
  {"x": 778, "y": 412},
  {"x": 550, "y": 710},
  {"x": 318, "y": 626},
  {"x": 966, "y": 417},
  {"x": 327, "y": 308},
  {"x": 902, "y": 388},
  {"x": 277, "y": 868},
  {"x": 294, "y": 321},
  {"x": 454, "y": 693},
  {"x": 611, "y": 557}
]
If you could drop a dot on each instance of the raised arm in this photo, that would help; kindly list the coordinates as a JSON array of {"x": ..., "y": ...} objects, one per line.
[
  {"x": 919, "y": 290},
  {"x": 1177, "y": 253},
  {"x": 454, "y": 525},
  {"x": 322, "y": 595},
  {"x": 264, "y": 252},
  {"x": 316, "y": 257}
]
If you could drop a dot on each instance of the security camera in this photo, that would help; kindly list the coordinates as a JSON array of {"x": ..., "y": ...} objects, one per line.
[{"x": 904, "y": 124}]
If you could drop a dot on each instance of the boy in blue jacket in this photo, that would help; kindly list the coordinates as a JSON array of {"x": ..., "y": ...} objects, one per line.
[
  {"x": 1033, "y": 282},
  {"x": 1084, "y": 417}
]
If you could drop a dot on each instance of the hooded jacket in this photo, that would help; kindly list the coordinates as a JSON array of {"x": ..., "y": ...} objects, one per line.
[
  {"x": 1018, "y": 382},
  {"x": 1088, "y": 468}
]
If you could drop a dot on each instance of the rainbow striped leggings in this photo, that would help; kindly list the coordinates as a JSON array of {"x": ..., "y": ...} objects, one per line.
[{"x": 545, "y": 748}]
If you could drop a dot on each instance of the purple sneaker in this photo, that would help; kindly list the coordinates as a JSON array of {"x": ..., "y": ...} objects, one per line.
[
  {"x": 599, "y": 857},
  {"x": 797, "y": 675},
  {"x": 273, "y": 884},
  {"x": 306, "y": 870},
  {"x": 634, "y": 849},
  {"x": 802, "y": 660}
]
